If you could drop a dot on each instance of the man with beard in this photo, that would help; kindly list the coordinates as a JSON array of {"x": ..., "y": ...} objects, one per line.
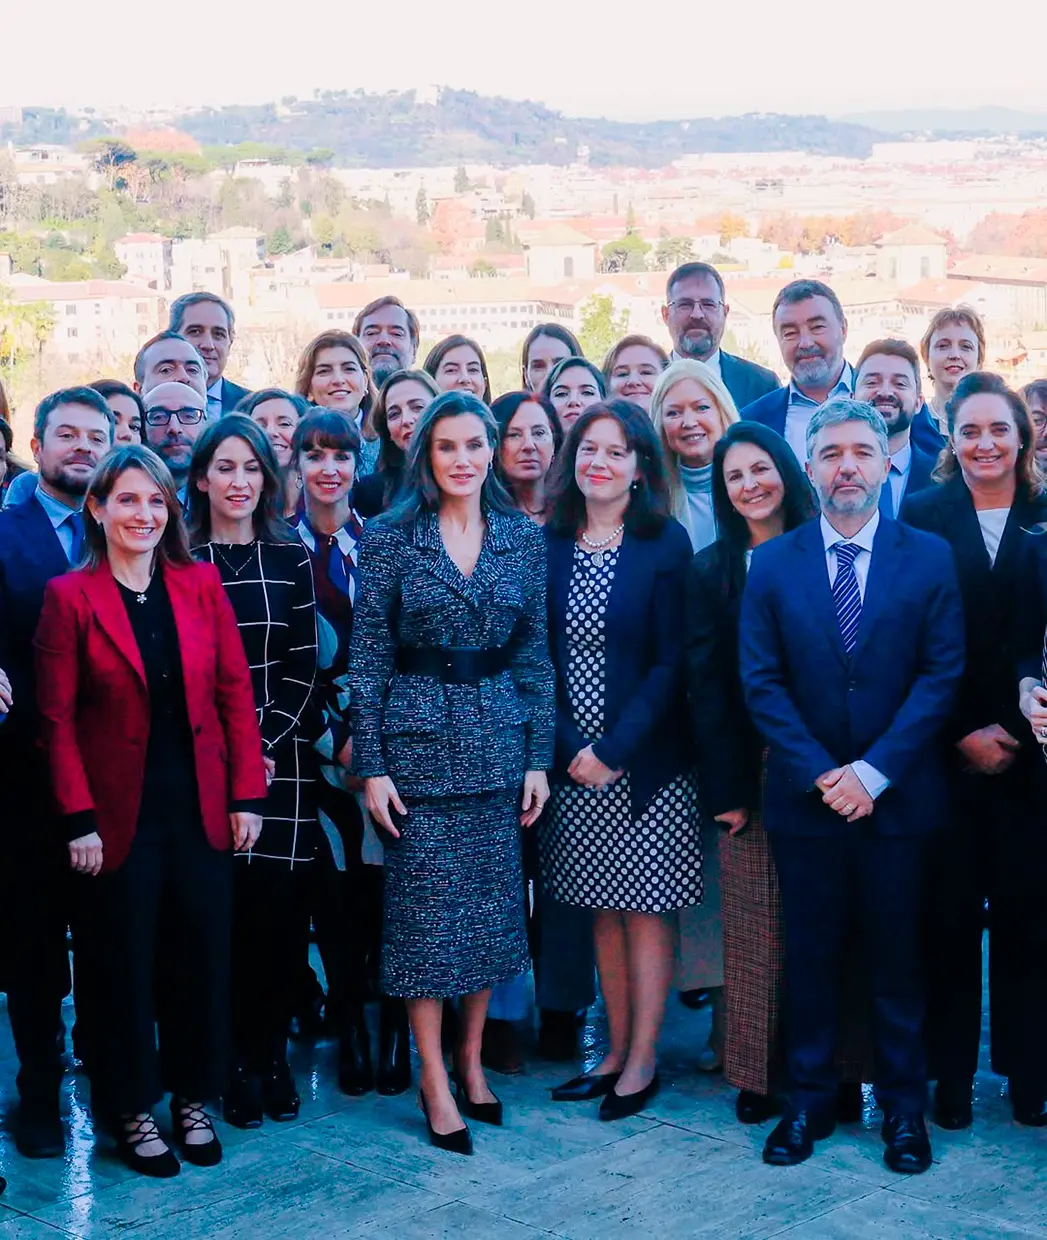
[
  {"x": 888, "y": 378},
  {"x": 40, "y": 538},
  {"x": 207, "y": 322},
  {"x": 389, "y": 333},
  {"x": 169, "y": 358},
  {"x": 852, "y": 650},
  {"x": 695, "y": 312},
  {"x": 175, "y": 417},
  {"x": 811, "y": 329}
]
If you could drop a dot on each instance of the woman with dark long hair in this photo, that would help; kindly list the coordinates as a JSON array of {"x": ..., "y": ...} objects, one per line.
[
  {"x": 452, "y": 705},
  {"x": 278, "y": 413},
  {"x": 759, "y": 491},
  {"x": 334, "y": 372},
  {"x": 148, "y": 720},
  {"x": 545, "y": 345},
  {"x": 623, "y": 837},
  {"x": 404, "y": 397},
  {"x": 989, "y": 507},
  {"x": 458, "y": 365},
  {"x": 632, "y": 367},
  {"x": 235, "y": 494},
  {"x": 573, "y": 385}
]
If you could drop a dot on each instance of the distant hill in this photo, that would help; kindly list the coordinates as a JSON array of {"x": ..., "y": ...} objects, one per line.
[
  {"x": 457, "y": 126},
  {"x": 953, "y": 122}
]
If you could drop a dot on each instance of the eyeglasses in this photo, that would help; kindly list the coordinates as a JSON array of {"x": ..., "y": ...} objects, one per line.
[
  {"x": 161, "y": 417},
  {"x": 685, "y": 306}
]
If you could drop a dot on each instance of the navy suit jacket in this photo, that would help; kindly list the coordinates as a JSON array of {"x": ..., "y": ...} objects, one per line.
[
  {"x": 925, "y": 434},
  {"x": 770, "y": 410},
  {"x": 645, "y": 706},
  {"x": 887, "y": 702},
  {"x": 921, "y": 467},
  {"x": 745, "y": 380},
  {"x": 232, "y": 395},
  {"x": 30, "y": 555}
]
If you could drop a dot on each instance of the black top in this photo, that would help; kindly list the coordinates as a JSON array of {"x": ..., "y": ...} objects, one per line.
[
  {"x": 169, "y": 792},
  {"x": 376, "y": 493}
]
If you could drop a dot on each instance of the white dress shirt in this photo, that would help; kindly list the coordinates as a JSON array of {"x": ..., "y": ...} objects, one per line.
[
  {"x": 873, "y": 781},
  {"x": 214, "y": 399},
  {"x": 898, "y": 478}
]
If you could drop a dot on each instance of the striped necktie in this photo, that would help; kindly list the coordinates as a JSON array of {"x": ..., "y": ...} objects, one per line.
[{"x": 846, "y": 594}]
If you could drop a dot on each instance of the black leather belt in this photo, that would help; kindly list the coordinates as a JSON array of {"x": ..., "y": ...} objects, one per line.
[{"x": 454, "y": 665}]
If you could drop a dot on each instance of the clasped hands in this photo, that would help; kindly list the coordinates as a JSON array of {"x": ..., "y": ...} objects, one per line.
[
  {"x": 587, "y": 769},
  {"x": 844, "y": 793}
]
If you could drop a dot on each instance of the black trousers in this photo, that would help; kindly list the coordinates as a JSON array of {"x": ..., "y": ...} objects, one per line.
[
  {"x": 347, "y": 913},
  {"x": 270, "y": 941},
  {"x": 830, "y": 886},
  {"x": 155, "y": 934},
  {"x": 997, "y": 851},
  {"x": 38, "y": 892}
]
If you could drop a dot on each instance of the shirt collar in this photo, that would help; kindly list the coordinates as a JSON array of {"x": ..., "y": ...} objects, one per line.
[
  {"x": 214, "y": 392},
  {"x": 844, "y": 387},
  {"x": 864, "y": 537},
  {"x": 57, "y": 512},
  {"x": 902, "y": 459}
]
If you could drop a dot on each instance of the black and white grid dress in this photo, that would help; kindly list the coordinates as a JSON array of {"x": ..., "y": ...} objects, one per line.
[{"x": 594, "y": 853}]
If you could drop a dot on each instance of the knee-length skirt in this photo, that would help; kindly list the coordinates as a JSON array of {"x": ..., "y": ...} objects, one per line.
[{"x": 453, "y": 919}]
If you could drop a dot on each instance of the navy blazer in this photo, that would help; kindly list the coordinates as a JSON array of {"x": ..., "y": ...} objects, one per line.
[
  {"x": 232, "y": 395},
  {"x": 770, "y": 410},
  {"x": 925, "y": 434},
  {"x": 921, "y": 469},
  {"x": 887, "y": 702},
  {"x": 645, "y": 708},
  {"x": 30, "y": 555},
  {"x": 745, "y": 380}
]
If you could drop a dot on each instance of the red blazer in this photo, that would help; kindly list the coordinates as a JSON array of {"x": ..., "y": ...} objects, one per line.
[{"x": 94, "y": 704}]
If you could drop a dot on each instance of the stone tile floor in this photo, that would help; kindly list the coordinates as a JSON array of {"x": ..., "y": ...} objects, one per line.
[{"x": 685, "y": 1168}]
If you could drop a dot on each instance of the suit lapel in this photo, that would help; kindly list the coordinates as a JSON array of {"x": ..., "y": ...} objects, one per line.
[
  {"x": 104, "y": 596},
  {"x": 444, "y": 569},
  {"x": 812, "y": 583},
  {"x": 43, "y": 538},
  {"x": 883, "y": 565}
]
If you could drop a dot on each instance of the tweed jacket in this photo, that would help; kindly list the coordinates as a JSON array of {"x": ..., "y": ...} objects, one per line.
[{"x": 443, "y": 740}]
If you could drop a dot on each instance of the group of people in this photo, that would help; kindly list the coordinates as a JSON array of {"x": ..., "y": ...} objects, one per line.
[{"x": 657, "y": 670}]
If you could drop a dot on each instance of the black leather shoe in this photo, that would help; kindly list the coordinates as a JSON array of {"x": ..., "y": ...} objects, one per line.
[
  {"x": 394, "y": 1048},
  {"x": 586, "y": 1087},
  {"x": 908, "y": 1145},
  {"x": 355, "y": 1074},
  {"x": 279, "y": 1092},
  {"x": 558, "y": 1035},
  {"x": 753, "y": 1108},
  {"x": 458, "y": 1142},
  {"x": 38, "y": 1129},
  {"x": 1028, "y": 1107},
  {"x": 695, "y": 999},
  {"x": 952, "y": 1105},
  {"x": 792, "y": 1140},
  {"x": 482, "y": 1112},
  {"x": 164, "y": 1166},
  {"x": 620, "y": 1106},
  {"x": 242, "y": 1104},
  {"x": 850, "y": 1102}
]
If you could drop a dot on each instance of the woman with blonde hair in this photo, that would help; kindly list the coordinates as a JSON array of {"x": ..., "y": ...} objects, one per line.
[
  {"x": 691, "y": 409},
  {"x": 334, "y": 372}
]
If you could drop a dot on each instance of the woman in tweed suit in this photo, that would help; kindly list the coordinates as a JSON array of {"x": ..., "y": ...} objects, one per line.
[
  {"x": 451, "y": 700},
  {"x": 235, "y": 495}
]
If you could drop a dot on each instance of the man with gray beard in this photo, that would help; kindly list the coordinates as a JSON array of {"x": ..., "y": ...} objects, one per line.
[{"x": 811, "y": 329}]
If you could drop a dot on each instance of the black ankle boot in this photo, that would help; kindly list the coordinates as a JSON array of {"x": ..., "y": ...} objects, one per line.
[
  {"x": 355, "y": 1074},
  {"x": 394, "y": 1048}
]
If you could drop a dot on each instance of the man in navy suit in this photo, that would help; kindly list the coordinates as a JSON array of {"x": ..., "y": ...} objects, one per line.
[
  {"x": 696, "y": 313},
  {"x": 206, "y": 321},
  {"x": 811, "y": 329},
  {"x": 852, "y": 648},
  {"x": 888, "y": 378},
  {"x": 40, "y": 539}
]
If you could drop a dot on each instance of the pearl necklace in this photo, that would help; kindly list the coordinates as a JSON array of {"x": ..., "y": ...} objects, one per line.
[{"x": 598, "y": 545}]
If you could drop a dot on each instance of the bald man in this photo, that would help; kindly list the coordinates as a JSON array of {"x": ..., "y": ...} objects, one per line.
[{"x": 175, "y": 416}]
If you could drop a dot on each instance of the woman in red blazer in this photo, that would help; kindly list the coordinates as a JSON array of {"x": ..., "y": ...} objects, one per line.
[{"x": 149, "y": 723}]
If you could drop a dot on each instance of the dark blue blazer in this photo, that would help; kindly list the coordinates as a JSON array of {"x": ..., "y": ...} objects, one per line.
[
  {"x": 887, "y": 702},
  {"x": 745, "y": 380},
  {"x": 232, "y": 395},
  {"x": 645, "y": 707},
  {"x": 921, "y": 467},
  {"x": 770, "y": 410},
  {"x": 925, "y": 434},
  {"x": 30, "y": 555}
]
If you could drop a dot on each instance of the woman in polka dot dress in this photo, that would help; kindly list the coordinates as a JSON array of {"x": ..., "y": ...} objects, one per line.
[{"x": 624, "y": 835}]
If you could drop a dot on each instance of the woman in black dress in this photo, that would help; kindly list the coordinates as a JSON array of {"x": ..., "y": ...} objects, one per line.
[
  {"x": 278, "y": 413},
  {"x": 404, "y": 397},
  {"x": 235, "y": 496}
]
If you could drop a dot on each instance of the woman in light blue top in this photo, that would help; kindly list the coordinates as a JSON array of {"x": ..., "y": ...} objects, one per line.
[{"x": 691, "y": 409}]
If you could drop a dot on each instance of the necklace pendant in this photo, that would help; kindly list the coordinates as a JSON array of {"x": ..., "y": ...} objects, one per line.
[
  {"x": 140, "y": 598},
  {"x": 598, "y": 559}
]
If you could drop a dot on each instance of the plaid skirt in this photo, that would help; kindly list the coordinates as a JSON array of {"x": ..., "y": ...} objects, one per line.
[{"x": 754, "y": 967}]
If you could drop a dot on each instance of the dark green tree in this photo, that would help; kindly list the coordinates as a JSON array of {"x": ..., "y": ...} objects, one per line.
[
  {"x": 421, "y": 206},
  {"x": 461, "y": 180}
]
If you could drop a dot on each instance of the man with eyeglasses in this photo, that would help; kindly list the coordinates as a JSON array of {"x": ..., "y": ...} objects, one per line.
[
  {"x": 696, "y": 313},
  {"x": 175, "y": 416}
]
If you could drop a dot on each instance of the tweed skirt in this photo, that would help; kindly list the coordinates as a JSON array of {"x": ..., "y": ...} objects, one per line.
[
  {"x": 754, "y": 968},
  {"x": 453, "y": 920}
]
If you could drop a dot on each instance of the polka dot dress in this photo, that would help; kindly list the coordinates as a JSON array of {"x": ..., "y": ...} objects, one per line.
[{"x": 593, "y": 853}]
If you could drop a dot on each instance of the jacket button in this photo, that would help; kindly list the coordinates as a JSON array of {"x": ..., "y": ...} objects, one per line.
[{"x": 851, "y": 686}]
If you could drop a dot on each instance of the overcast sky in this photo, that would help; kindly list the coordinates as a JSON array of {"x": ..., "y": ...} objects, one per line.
[{"x": 586, "y": 57}]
